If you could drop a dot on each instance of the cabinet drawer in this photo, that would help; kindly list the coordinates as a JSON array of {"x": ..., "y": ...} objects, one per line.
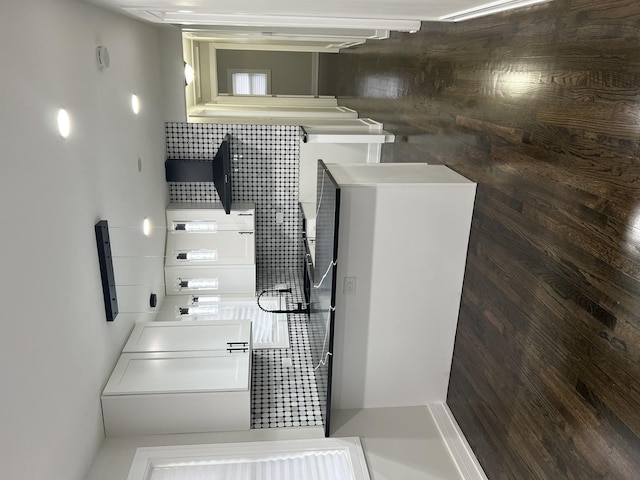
[
  {"x": 210, "y": 280},
  {"x": 178, "y": 392},
  {"x": 221, "y": 248},
  {"x": 154, "y": 414},
  {"x": 179, "y": 336},
  {"x": 181, "y": 220}
]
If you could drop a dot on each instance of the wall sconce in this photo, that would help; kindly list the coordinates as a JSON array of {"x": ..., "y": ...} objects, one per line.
[
  {"x": 197, "y": 283},
  {"x": 189, "y": 74},
  {"x": 207, "y": 227},
  {"x": 198, "y": 256}
]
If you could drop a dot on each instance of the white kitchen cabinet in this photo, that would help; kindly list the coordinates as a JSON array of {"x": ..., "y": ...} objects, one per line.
[
  {"x": 211, "y": 249},
  {"x": 177, "y": 336},
  {"x": 208, "y": 251},
  {"x": 353, "y": 141},
  {"x": 225, "y": 279},
  {"x": 242, "y": 216},
  {"x": 269, "y": 330},
  {"x": 177, "y": 377},
  {"x": 402, "y": 245}
]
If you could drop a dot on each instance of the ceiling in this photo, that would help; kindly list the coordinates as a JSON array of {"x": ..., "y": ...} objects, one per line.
[
  {"x": 301, "y": 25},
  {"x": 402, "y": 15}
]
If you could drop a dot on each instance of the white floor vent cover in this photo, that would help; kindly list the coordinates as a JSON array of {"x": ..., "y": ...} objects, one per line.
[{"x": 319, "y": 459}]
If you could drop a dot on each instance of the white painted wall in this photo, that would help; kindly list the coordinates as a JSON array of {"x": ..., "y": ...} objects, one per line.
[
  {"x": 56, "y": 349},
  {"x": 172, "y": 65}
]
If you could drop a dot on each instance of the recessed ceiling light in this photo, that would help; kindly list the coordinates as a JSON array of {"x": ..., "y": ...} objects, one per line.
[
  {"x": 135, "y": 104},
  {"x": 64, "y": 123}
]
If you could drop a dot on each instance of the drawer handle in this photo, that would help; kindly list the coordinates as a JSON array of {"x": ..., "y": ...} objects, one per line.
[
  {"x": 242, "y": 349},
  {"x": 231, "y": 344},
  {"x": 245, "y": 214},
  {"x": 245, "y": 233},
  {"x": 197, "y": 283},
  {"x": 198, "y": 255},
  {"x": 206, "y": 226}
]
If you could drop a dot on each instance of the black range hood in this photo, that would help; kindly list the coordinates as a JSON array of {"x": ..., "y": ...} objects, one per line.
[{"x": 217, "y": 171}]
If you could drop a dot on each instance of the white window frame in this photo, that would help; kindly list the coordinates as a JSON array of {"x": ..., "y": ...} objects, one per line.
[
  {"x": 148, "y": 458},
  {"x": 231, "y": 71}
]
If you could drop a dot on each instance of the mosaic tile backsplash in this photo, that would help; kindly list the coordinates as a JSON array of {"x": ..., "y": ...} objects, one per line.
[{"x": 265, "y": 163}]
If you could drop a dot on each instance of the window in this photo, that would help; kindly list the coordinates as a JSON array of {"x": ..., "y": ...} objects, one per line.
[{"x": 250, "y": 82}]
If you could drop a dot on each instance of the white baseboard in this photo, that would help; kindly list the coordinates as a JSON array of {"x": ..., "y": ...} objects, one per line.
[{"x": 456, "y": 442}]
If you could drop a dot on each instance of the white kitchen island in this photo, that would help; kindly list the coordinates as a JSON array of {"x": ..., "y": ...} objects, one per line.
[{"x": 402, "y": 246}]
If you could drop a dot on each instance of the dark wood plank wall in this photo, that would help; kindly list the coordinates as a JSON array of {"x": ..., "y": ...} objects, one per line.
[{"x": 541, "y": 107}]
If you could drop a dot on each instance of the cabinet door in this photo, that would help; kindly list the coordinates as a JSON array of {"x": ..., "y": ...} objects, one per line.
[
  {"x": 237, "y": 280},
  {"x": 176, "y": 336},
  {"x": 220, "y": 248},
  {"x": 217, "y": 218},
  {"x": 179, "y": 372}
]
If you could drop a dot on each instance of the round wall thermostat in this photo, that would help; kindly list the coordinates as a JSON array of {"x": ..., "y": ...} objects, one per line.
[{"x": 102, "y": 57}]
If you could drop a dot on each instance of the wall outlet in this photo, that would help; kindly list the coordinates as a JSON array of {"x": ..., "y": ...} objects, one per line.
[
  {"x": 349, "y": 286},
  {"x": 279, "y": 217},
  {"x": 287, "y": 362}
]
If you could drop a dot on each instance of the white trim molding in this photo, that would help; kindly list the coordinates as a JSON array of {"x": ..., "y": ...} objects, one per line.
[
  {"x": 489, "y": 9},
  {"x": 184, "y": 17},
  {"x": 460, "y": 450}
]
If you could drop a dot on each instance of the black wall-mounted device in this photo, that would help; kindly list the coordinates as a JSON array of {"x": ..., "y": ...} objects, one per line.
[{"x": 106, "y": 270}]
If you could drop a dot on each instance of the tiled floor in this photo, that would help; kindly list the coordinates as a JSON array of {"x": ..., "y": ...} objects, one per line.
[{"x": 285, "y": 396}]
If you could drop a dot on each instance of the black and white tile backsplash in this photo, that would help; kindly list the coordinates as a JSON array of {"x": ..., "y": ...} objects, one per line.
[{"x": 266, "y": 160}]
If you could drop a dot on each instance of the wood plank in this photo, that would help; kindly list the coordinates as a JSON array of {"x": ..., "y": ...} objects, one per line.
[{"x": 540, "y": 107}]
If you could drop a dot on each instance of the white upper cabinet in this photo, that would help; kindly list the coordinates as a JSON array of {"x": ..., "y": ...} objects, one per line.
[{"x": 209, "y": 251}]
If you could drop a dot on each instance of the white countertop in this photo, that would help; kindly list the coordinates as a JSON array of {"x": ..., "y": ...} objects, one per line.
[{"x": 381, "y": 174}]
